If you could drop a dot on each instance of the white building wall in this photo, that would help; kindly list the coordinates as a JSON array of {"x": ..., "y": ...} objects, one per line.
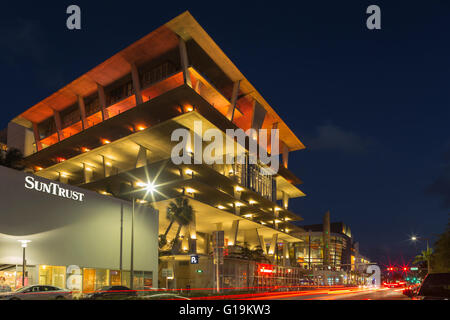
[{"x": 67, "y": 232}]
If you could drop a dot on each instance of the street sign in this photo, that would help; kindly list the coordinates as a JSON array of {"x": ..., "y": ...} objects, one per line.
[
  {"x": 194, "y": 259},
  {"x": 414, "y": 268}
]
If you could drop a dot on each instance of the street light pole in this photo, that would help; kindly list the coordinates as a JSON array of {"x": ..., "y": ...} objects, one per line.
[
  {"x": 23, "y": 266},
  {"x": 132, "y": 246},
  {"x": 24, "y": 261}
]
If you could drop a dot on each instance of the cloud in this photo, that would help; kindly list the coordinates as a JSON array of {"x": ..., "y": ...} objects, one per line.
[
  {"x": 441, "y": 185},
  {"x": 331, "y": 137}
]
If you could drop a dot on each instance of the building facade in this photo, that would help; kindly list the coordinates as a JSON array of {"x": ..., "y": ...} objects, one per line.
[
  {"x": 79, "y": 239},
  {"x": 110, "y": 130}
]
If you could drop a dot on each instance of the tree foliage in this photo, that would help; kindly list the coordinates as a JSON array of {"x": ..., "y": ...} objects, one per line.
[
  {"x": 441, "y": 256},
  {"x": 12, "y": 158}
]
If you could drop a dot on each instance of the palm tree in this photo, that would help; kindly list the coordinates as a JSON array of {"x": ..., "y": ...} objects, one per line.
[
  {"x": 425, "y": 256},
  {"x": 173, "y": 210},
  {"x": 181, "y": 212}
]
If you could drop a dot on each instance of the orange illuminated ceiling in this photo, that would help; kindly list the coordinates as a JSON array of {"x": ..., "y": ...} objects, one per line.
[
  {"x": 161, "y": 40},
  {"x": 149, "y": 47}
]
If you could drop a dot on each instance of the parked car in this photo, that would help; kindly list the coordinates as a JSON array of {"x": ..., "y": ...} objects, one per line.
[
  {"x": 37, "y": 292},
  {"x": 435, "y": 286},
  {"x": 164, "y": 296},
  {"x": 112, "y": 292}
]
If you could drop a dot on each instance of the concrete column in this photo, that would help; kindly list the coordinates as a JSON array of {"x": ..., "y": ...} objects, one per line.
[
  {"x": 63, "y": 178},
  {"x": 184, "y": 62},
  {"x": 285, "y": 200},
  {"x": 237, "y": 210},
  {"x": 262, "y": 243},
  {"x": 37, "y": 138},
  {"x": 234, "y": 233},
  {"x": 82, "y": 112},
  {"x": 88, "y": 173},
  {"x": 107, "y": 167},
  {"x": 234, "y": 96},
  {"x": 136, "y": 83},
  {"x": 57, "y": 118},
  {"x": 286, "y": 261},
  {"x": 285, "y": 153},
  {"x": 102, "y": 101}
]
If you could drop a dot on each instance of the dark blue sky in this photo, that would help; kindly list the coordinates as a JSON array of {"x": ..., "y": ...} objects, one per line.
[{"x": 372, "y": 107}]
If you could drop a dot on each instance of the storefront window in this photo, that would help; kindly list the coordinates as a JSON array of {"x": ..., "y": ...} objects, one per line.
[
  {"x": 115, "y": 278},
  {"x": 88, "y": 280},
  {"x": 52, "y": 275},
  {"x": 101, "y": 278}
]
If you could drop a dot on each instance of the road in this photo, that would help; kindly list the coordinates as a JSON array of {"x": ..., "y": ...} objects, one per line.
[{"x": 340, "y": 294}]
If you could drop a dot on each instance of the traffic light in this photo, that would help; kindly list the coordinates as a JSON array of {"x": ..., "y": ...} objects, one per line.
[{"x": 405, "y": 269}]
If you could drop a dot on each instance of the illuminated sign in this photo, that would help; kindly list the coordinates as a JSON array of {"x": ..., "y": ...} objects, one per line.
[
  {"x": 265, "y": 268},
  {"x": 194, "y": 259},
  {"x": 52, "y": 188}
]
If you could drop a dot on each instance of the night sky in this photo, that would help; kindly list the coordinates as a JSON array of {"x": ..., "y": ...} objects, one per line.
[{"x": 372, "y": 107}]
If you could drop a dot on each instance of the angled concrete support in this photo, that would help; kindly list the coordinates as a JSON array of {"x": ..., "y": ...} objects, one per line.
[
  {"x": 234, "y": 97},
  {"x": 141, "y": 159},
  {"x": 57, "y": 118},
  {"x": 136, "y": 84},
  {"x": 82, "y": 108},
  {"x": 184, "y": 62},
  {"x": 102, "y": 101},
  {"x": 262, "y": 243},
  {"x": 273, "y": 244},
  {"x": 37, "y": 138},
  {"x": 233, "y": 233},
  {"x": 259, "y": 113},
  {"x": 251, "y": 237}
]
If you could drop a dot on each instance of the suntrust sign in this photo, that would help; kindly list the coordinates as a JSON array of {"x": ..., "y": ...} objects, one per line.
[{"x": 52, "y": 188}]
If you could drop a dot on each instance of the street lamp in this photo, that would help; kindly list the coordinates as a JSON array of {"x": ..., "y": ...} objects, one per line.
[{"x": 24, "y": 244}]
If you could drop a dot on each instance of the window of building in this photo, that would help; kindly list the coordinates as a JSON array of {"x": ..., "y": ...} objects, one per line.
[{"x": 52, "y": 275}]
